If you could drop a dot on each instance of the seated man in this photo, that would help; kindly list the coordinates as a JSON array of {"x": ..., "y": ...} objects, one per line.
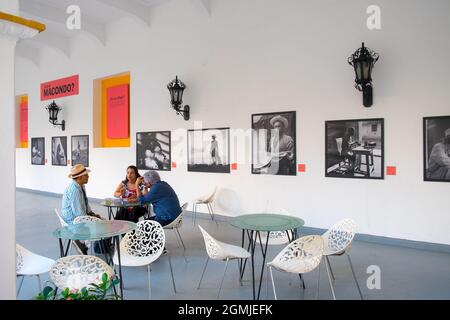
[
  {"x": 74, "y": 200},
  {"x": 166, "y": 205}
]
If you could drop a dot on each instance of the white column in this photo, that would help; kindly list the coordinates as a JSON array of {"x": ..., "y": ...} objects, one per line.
[{"x": 9, "y": 34}]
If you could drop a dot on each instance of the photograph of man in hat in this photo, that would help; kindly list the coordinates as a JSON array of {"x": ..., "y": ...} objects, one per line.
[
  {"x": 273, "y": 146},
  {"x": 439, "y": 159}
]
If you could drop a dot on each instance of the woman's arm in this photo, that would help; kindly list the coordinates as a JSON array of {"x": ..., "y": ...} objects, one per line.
[{"x": 119, "y": 190}]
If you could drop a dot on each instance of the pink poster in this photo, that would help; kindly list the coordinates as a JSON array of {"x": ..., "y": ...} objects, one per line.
[
  {"x": 24, "y": 122},
  {"x": 117, "y": 112},
  {"x": 60, "y": 88}
]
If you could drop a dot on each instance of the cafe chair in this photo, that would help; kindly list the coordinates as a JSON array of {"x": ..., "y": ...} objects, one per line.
[
  {"x": 337, "y": 242},
  {"x": 76, "y": 272},
  {"x": 300, "y": 256},
  {"x": 86, "y": 218},
  {"x": 276, "y": 237},
  {"x": 175, "y": 225},
  {"x": 31, "y": 264},
  {"x": 64, "y": 224},
  {"x": 344, "y": 164},
  {"x": 221, "y": 251},
  {"x": 206, "y": 200},
  {"x": 143, "y": 246}
]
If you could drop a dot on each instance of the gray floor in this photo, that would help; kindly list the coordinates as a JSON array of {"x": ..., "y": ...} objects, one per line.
[{"x": 405, "y": 273}]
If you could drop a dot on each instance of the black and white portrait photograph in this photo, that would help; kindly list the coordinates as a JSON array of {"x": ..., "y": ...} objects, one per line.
[
  {"x": 354, "y": 148},
  {"x": 436, "y": 145},
  {"x": 153, "y": 150},
  {"x": 274, "y": 148},
  {"x": 80, "y": 150},
  {"x": 59, "y": 151},
  {"x": 38, "y": 151},
  {"x": 208, "y": 150}
]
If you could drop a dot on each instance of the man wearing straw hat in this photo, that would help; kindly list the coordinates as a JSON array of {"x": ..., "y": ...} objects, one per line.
[{"x": 74, "y": 200}]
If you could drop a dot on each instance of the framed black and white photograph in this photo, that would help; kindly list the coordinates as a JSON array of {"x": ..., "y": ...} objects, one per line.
[
  {"x": 153, "y": 150},
  {"x": 80, "y": 150},
  {"x": 274, "y": 147},
  {"x": 209, "y": 150},
  {"x": 59, "y": 151},
  {"x": 354, "y": 148},
  {"x": 436, "y": 149},
  {"x": 38, "y": 151}
]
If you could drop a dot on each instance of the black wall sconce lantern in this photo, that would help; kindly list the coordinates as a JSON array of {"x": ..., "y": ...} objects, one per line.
[
  {"x": 363, "y": 61},
  {"x": 53, "y": 110},
  {"x": 176, "y": 88}
]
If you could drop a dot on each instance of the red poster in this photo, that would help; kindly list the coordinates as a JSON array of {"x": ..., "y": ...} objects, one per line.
[
  {"x": 301, "y": 168},
  {"x": 117, "y": 112},
  {"x": 24, "y": 122},
  {"x": 60, "y": 88},
  {"x": 391, "y": 171}
]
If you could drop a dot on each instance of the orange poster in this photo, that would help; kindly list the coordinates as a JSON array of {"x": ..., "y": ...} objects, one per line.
[{"x": 24, "y": 121}]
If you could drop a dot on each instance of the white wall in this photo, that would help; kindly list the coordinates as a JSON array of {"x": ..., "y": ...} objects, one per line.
[{"x": 254, "y": 56}]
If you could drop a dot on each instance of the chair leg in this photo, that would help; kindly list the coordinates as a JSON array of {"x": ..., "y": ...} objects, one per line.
[
  {"x": 178, "y": 235},
  {"x": 273, "y": 284},
  {"x": 354, "y": 276},
  {"x": 303, "y": 281},
  {"x": 318, "y": 282},
  {"x": 181, "y": 239},
  {"x": 20, "y": 285},
  {"x": 171, "y": 273},
  {"x": 331, "y": 270},
  {"x": 194, "y": 213},
  {"x": 149, "y": 283},
  {"x": 210, "y": 210},
  {"x": 39, "y": 283},
  {"x": 329, "y": 279},
  {"x": 204, "y": 269},
  {"x": 223, "y": 277}
]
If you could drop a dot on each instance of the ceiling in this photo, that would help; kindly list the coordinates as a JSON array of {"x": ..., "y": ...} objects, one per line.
[{"x": 95, "y": 16}]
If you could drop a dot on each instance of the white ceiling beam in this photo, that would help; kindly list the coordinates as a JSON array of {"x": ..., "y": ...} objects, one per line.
[
  {"x": 55, "y": 41},
  {"x": 133, "y": 7},
  {"x": 204, "y": 6},
  {"x": 28, "y": 52},
  {"x": 58, "y": 15}
]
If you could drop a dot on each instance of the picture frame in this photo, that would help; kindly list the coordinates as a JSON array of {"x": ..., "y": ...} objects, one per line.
[
  {"x": 59, "y": 151},
  {"x": 273, "y": 153},
  {"x": 38, "y": 151},
  {"x": 436, "y": 148},
  {"x": 153, "y": 150},
  {"x": 80, "y": 150},
  {"x": 354, "y": 148},
  {"x": 208, "y": 150}
]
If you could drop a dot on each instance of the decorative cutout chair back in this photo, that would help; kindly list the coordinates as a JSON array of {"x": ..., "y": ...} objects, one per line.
[
  {"x": 300, "y": 256},
  {"x": 213, "y": 247},
  {"x": 276, "y": 237},
  {"x": 61, "y": 220},
  {"x": 339, "y": 237},
  {"x": 148, "y": 239},
  {"x": 211, "y": 196},
  {"x": 179, "y": 220},
  {"x": 76, "y": 272},
  {"x": 339, "y": 145},
  {"x": 85, "y": 218},
  {"x": 20, "y": 252}
]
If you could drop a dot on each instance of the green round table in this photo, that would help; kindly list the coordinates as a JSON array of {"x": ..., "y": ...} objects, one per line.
[
  {"x": 253, "y": 225},
  {"x": 96, "y": 230}
]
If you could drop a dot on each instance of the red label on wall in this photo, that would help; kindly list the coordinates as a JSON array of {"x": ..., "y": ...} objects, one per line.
[
  {"x": 117, "y": 112},
  {"x": 24, "y": 122},
  {"x": 391, "y": 171},
  {"x": 301, "y": 168},
  {"x": 59, "y": 88},
  {"x": 234, "y": 166},
  {"x": 174, "y": 164}
]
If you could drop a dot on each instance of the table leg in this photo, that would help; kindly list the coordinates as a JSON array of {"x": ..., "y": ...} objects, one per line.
[
  {"x": 67, "y": 248},
  {"x": 252, "y": 247},
  {"x": 264, "y": 252},
  {"x": 248, "y": 249},
  {"x": 367, "y": 165},
  {"x": 117, "y": 244}
]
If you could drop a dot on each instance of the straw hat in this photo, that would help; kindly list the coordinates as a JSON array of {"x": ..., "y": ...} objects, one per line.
[
  {"x": 78, "y": 170},
  {"x": 281, "y": 119}
]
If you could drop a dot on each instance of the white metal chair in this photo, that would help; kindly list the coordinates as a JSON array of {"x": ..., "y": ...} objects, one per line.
[
  {"x": 217, "y": 250},
  {"x": 31, "y": 264},
  {"x": 300, "y": 256},
  {"x": 64, "y": 224},
  {"x": 85, "y": 218},
  {"x": 337, "y": 241},
  {"x": 206, "y": 200},
  {"x": 76, "y": 272},
  {"x": 143, "y": 246},
  {"x": 276, "y": 237},
  {"x": 175, "y": 225}
]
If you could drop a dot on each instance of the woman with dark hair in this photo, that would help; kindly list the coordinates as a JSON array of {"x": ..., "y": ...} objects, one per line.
[{"x": 126, "y": 190}]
